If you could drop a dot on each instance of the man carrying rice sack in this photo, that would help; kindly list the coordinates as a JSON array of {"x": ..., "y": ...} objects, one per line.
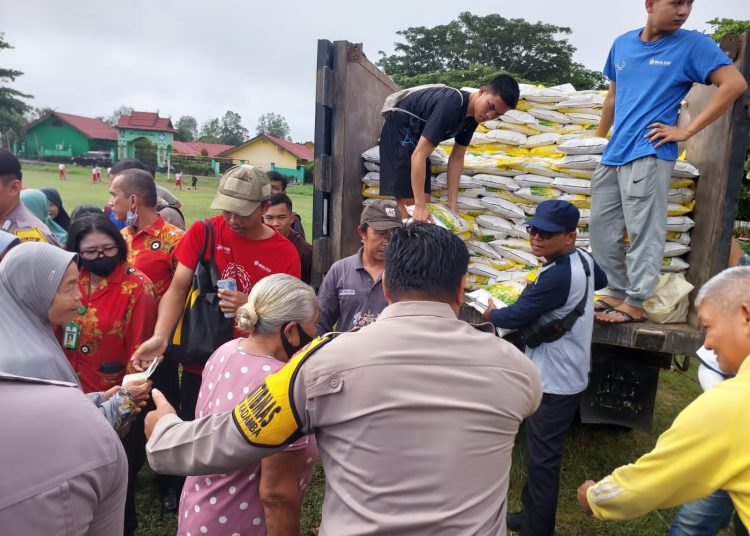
[
  {"x": 417, "y": 120},
  {"x": 554, "y": 317},
  {"x": 650, "y": 70}
]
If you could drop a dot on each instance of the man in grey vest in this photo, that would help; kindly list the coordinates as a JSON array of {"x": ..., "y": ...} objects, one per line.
[{"x": 415, "y": 414}]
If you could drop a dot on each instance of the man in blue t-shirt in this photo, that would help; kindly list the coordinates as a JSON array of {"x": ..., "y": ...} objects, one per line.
[
  {"x": 650, "y": 71},
  {"x": 419, "y": 122}
]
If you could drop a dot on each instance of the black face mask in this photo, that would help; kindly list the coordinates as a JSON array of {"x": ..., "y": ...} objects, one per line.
[
  {"x": 101, "y": 266},
  {"x": 289, "y": 348}
]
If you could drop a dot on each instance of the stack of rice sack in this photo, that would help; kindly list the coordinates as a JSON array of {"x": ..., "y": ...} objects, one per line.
[{"x": 545, "y": 149}]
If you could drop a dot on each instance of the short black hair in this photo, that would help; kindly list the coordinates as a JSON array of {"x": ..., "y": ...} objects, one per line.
[
  {"x": 85, "y": 225},
  {"x": 425, "y": 259},
  {"x": 84, "y": 210},
  {"x": 138, "y": 182},
  {"x": 128, "y": 163},
  {"x": 10, "y": 167},
  {"x": 277, "y": 199},
  {"x": 505, "y": 87},
  {"x": 276, "y": 176}
]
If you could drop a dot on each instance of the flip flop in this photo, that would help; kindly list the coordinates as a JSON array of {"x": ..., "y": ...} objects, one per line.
[
  {"x": 629, "y": 319},
  {"x": 600, "y": 306}
]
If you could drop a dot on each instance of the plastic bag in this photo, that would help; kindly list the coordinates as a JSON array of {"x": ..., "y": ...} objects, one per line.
[
  {"x": 669, "y": 304},
  {"x": 586, "y": 145}
]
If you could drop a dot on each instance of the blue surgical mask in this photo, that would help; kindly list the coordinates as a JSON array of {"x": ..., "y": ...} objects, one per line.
[{"x": 131, "y": 218}]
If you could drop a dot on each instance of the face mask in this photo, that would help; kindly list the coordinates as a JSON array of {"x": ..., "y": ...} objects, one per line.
[
  {"x": 131, "y": 218},
  {"x": 289, "y": 348},
  {"x": 101, "y": 266}
]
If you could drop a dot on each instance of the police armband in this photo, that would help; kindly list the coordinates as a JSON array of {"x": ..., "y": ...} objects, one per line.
[{"x": 267, "y": 416}]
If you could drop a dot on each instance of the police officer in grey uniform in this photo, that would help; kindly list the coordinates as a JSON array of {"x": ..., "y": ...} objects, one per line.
[
  {"x": 415, "y": 414},
  {"x": 64, "y": 471}
]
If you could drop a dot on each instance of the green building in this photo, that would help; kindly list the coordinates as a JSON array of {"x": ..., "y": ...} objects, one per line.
[
  {"x": 145, "y": 136},
  {"x": 67, "y": 135}
]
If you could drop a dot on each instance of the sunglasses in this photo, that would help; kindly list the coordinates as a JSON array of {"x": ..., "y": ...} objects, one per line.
[{"x": 544, "y": 235}]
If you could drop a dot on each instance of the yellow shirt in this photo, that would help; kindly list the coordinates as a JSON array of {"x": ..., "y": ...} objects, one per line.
[{"x": 707, "y": 448}]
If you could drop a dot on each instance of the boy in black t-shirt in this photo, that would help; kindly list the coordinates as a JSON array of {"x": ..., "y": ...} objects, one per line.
[{"x": 419, "y": 122}]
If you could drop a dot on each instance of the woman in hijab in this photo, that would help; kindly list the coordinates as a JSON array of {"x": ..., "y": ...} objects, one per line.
[
  {"x": 37, "y": 203},
  {"x": 56, "y": 209},
  {"x": 7, "y": 241},
  {"x": 39, "y": 290}
]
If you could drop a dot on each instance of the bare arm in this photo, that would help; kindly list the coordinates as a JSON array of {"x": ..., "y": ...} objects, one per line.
[
  {"x": 279, "y": 491},
  {"x": 455, "y": 167},
  {"x": 608, "y": 113},
  {"x": 419, "y": 157},
  {"x": 170, "y": 309},
  {"x": 730, "y": 84}
]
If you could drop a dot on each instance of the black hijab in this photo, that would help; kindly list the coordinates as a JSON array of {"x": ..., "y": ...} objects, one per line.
[{"x": 62, "y": 218}]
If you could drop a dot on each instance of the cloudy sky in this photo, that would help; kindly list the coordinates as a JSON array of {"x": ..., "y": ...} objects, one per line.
[{"x": 201, "y": 58}]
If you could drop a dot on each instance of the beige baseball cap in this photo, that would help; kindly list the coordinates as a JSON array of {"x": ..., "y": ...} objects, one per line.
[{"x": 241, "y": 190}]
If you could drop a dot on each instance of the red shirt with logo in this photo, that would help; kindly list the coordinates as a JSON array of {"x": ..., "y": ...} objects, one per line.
[
  {"x": 151, "y": 250},
  {"x": 245, "y": 261},
  {"x": 120, "y": 314}
]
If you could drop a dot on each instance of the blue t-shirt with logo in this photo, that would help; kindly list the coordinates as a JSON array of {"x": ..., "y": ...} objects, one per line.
[{"x": 651, "y": 80}]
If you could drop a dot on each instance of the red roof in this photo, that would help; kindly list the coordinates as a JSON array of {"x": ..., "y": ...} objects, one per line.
[
  {"x": 300, "y": 151},
  {"x": 146, "y": 121},
  {"x": 195, "y": 148},
  {"x": 93, "y": 129}
]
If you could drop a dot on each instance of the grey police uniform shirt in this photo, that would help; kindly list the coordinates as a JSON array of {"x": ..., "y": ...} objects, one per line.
[
  {"x": 349, "y": 297},
  {"x": 21, "y": 219},
  {"x": 64, "y": 471},
  {"x": 563, "y": 364},
  {"x": 415, "y": 418}
]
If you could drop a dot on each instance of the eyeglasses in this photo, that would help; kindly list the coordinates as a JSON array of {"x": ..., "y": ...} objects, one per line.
[
  {"x": 544, "y": 235},
  {"x": 95, "y": 253}
]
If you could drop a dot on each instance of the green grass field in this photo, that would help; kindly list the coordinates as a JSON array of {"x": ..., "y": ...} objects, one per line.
[
  {"x": 78, "y": 189},
  {"x": 591, "y": 451}
]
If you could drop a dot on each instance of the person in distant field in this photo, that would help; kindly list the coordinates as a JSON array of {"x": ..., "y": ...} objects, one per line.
[
  {"x": 650, "y": 69},
  {"x": 194, "y": 182},
  {"x": 419, "y": 122},
  {"x": 279, "y": 215},
  {"x": 279, "y": 183},
  {"x": 15, "y": 218},
  {"x": 178, "y": 180},
  {"x": 93, "y": 174},
  {"x": 109, "y": 174},
  {"x": 351, "y": 295},
  {"x": 61, "y": 169}
]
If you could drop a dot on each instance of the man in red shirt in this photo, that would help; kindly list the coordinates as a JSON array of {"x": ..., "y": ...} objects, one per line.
[
  {"x": 151, "y": 243},
  {"x": 151, "y": 240},
  {"x": 246, "y": 250}
]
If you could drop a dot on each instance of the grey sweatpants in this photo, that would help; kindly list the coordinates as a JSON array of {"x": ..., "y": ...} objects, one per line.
[{"x": 630, "y": 198}]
